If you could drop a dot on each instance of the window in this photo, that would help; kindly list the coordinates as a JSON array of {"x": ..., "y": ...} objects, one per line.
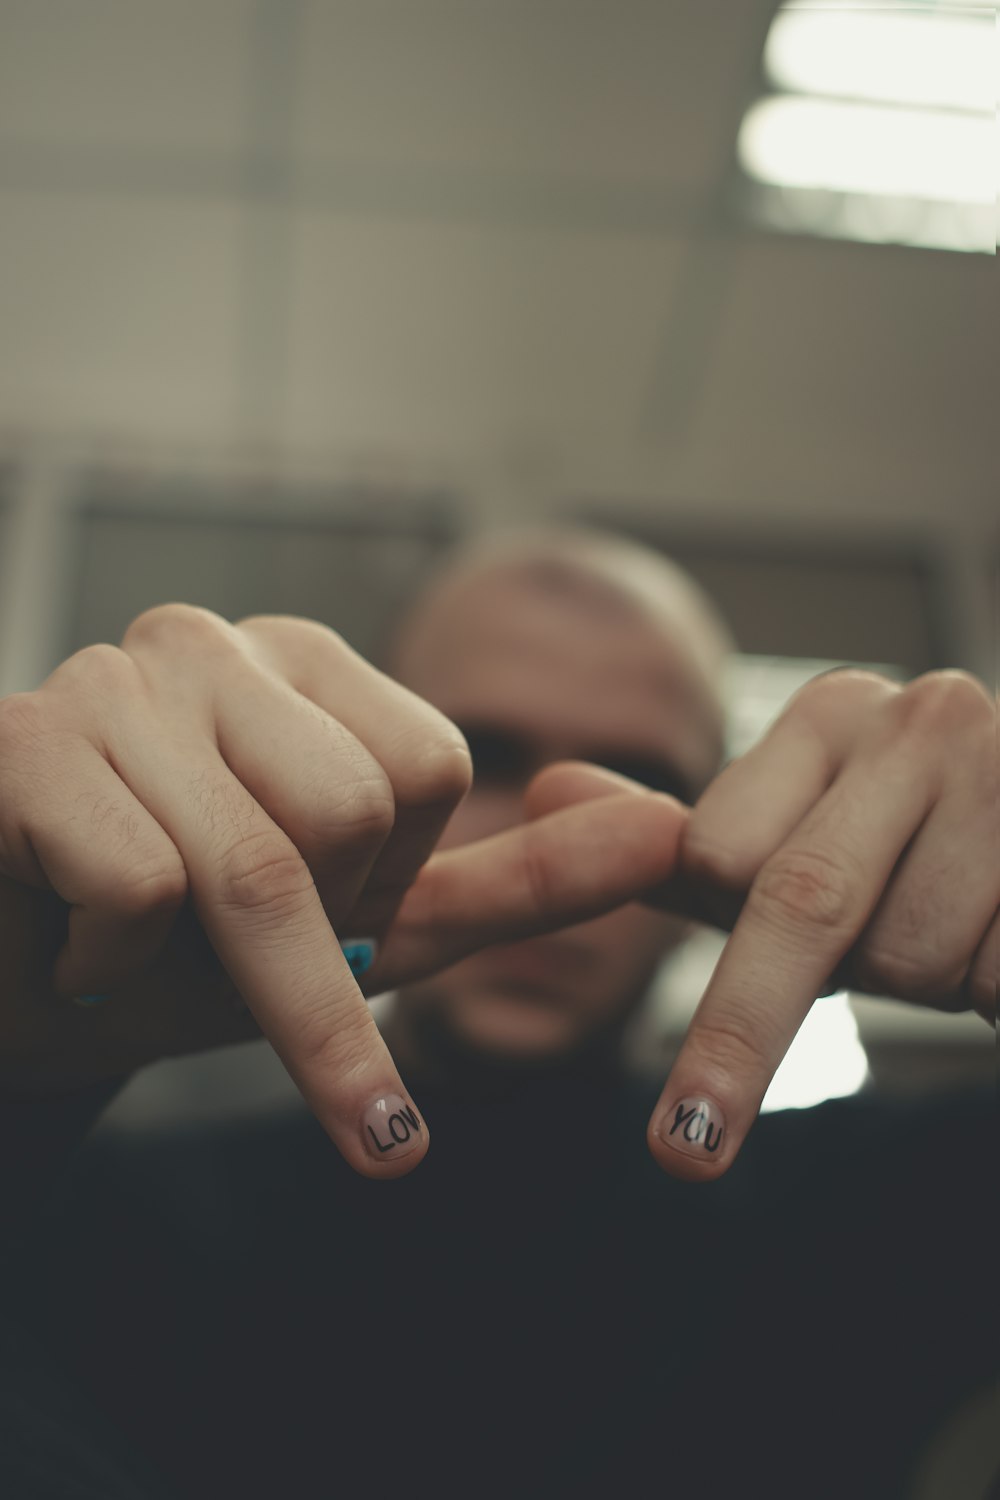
[{"x": 878, "y": 124}]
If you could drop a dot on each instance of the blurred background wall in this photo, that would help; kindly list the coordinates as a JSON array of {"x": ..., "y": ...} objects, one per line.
[{"x": 294, "y": 292}]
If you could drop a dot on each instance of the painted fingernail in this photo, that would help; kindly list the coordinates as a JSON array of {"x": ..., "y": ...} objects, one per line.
[
  {"x": 360, "y": 953},
  {"x": 89, "y": 999},
  {"x": 391, "y": 1127},
  {"x": 694, "y": 1126}
]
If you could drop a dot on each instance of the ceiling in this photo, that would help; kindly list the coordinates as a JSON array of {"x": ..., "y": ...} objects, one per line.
[{"x": 491, "y": 240}]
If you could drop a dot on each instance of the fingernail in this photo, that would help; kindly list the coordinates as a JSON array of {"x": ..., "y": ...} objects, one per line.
[
  {"x": 694, "y": 1126},
  {"x": 89, "y": 999},
  {"x": 360, "y": 953},
  {"x": 391, "y": 1127}
]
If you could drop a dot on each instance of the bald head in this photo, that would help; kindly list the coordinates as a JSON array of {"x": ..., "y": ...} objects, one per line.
[{"x": 609, "y": 580}]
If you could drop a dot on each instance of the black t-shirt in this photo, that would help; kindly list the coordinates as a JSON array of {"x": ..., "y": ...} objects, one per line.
[{"x": 536, "y": 1311}]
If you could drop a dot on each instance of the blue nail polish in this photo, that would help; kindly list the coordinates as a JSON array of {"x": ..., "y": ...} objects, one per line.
[
  {"x": 360, "y": 954},
  {"x": 89, "y": 999}
]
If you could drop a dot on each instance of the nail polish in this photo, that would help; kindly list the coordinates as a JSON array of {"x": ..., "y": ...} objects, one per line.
[
  {"x": 360, "y": 953},
  {"x": 694, "y": 1126},
  {"x": 87, "y": 1000},
  {"x": 391, "y": 1128}
]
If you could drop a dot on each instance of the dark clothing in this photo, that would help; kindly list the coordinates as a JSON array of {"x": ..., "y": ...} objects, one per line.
[{"x": 560, "y": 1321}]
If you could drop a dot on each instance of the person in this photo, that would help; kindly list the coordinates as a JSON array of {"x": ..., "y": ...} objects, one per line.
[{"x": 549, "y": 1306}]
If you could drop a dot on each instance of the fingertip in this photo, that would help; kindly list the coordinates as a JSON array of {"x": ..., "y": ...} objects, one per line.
[
  {"x": 388, "y": 1138},
  {"x": 389, "y": 1171},
  {"x": 683, "y": 1168}
]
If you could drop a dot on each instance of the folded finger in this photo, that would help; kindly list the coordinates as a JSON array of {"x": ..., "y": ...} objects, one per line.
[
  {"x": 921, "y": 938},
  {"x": 104, "y": 854},
  {"x": 754, "y": 805}
]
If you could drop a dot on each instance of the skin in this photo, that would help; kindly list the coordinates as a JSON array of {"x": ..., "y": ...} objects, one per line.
[
  {"x": 190, "y": 818},
  {"x": 859, "y": 839},
  {"x": 537, "y": 670},
  {"x": 210, "y": 804},
  {"x": 855, "y": 845}
]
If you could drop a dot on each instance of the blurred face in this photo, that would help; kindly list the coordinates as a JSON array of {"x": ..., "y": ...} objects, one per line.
[{"x": 533, "y": 675}]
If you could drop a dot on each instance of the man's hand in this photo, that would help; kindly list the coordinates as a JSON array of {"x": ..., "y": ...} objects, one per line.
[
  {"x": 860, "y": 839},
  {"x": 190, "y": 820}
]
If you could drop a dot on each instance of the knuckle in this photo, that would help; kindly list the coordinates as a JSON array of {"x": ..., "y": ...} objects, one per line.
[
  {"x": 944, "y": 700},
  {"x": 706, "y": 858},
  {"x": 439, "y": 774},
  {"x": 321, "y": 634},
  {"x": 904, "y": 973},
  {"x": 99, "y": 669},
  {"x": 364, "y": 811},
  {"x": 280, "y": 638},
  {"x": 260, "y": 623},
  {"x": 826, "y": 701},
  {"x": 264, "y": 875},
  {"x": 160, "y": 889},
  {"x": 175, "y": 624},
  {"x": 841, "y": 679},
  {"x": 832, "y": 689},
  {"x": 804, "y": 888},
  {"x": 293, "y": 630},
  {"x": 315, "y": 630}
]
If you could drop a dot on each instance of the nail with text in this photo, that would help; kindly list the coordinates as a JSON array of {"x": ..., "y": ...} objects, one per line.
[
  {"x": 694, "y": 1126},
  {"x": 391, "y": 1127}
]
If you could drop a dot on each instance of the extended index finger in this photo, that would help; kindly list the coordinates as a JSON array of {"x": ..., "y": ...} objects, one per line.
[
  {"x": 806, "y": 907},
  {"x": 257, "y": 902}
]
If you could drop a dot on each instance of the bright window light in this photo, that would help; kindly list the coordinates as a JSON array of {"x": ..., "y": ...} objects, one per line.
[
  {"x": 825, "y": 1061},
  {"x": 882, "y": 125},
  {"x": 852, "y": 148},
  {"x": 941, "y": 61}
]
